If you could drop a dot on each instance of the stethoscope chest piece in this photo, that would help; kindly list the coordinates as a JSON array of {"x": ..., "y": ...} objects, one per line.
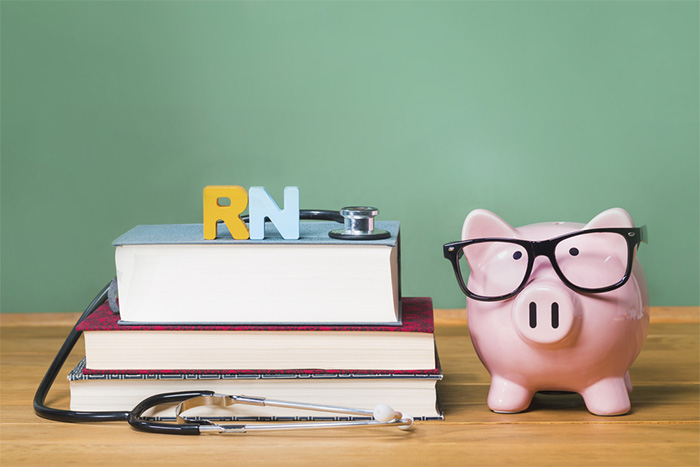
[{"x": 359, "y": 225}]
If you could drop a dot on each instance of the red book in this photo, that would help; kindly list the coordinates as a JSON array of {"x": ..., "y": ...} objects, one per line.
[{"x": 113, "y": 347}]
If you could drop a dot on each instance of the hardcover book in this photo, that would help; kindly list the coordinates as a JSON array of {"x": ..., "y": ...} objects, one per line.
[
  {"x": 112, "y": 346},
  {"x": 171, "y": 274},
  {"x": 411, "y": 392}
]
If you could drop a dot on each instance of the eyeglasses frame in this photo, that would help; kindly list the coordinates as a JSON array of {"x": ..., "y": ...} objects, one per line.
[{"x": 634, "y": 236}]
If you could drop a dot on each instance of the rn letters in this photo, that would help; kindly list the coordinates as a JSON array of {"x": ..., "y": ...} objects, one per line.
[{"x": 260, "y": 206}]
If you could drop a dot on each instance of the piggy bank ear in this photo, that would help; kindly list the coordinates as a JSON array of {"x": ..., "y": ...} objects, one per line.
[
  {"x": 481, "y": 223},
  {"x": 615, "y": 217}
]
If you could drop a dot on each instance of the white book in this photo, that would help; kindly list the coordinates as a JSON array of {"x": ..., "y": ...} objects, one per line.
[
  {"x": 110, "y": 345},
  {"x": 409, "y": 392},
  {"x": 168, "y": 274}
]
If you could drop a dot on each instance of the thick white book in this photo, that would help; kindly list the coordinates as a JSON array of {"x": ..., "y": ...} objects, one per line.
[
  {"x": 412, "y": 392},
  {"x": 169, "y": 274}
]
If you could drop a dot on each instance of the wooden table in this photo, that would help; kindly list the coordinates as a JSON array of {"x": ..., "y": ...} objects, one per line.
[{"x": 663, "y": 428}]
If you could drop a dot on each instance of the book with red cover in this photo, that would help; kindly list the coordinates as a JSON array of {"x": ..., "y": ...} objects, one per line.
[{"x": 114, "y": 347}]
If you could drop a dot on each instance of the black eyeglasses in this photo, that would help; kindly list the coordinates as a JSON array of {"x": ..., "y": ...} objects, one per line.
[{"x": 587, "y": 261}]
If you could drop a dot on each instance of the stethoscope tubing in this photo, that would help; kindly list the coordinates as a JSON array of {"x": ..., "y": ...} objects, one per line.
[{"x": 42, "y": 391}]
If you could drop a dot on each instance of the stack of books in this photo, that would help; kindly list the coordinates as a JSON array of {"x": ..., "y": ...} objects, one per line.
[{"x": 313, "y": 320}]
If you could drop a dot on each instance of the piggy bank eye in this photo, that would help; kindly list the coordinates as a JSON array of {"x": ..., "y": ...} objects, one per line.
[
  {"x": 593, "y": 260},
  {"x": 496, "y": 267}
]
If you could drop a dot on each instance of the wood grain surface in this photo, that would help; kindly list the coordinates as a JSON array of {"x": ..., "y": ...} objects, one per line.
[{"x": 663, "y": 428}]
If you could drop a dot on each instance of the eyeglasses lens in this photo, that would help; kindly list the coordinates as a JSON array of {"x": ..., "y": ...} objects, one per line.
[
  {"x": 593, "y": 260},
  {"x": 493, "y": 268}
]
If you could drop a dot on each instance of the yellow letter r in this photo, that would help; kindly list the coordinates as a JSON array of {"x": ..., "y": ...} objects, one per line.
[{"x": 230, "y": 214}]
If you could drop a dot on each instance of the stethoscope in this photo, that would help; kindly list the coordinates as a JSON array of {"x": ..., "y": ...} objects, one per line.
[
  {"x": 359, "y": 225},
  {"x": 382, "y": 415}
]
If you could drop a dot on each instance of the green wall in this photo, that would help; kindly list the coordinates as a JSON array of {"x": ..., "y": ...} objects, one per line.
[{"x": 118, "y": 113}]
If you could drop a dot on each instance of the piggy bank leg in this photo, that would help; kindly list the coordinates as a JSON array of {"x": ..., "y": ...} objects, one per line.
[
  {"x": 508, "y": 397},
  {"x": 609, "y": 396},
  {"x": 628, "y": 382}
]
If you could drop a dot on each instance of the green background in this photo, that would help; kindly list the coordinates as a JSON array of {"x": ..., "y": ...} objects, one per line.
[{"x": 118, "y": 113}]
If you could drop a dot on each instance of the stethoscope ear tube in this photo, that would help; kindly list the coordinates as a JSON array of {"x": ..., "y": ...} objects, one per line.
[
  {"x": 383, "y": 415},
  {"x": 140, "y": 424}
]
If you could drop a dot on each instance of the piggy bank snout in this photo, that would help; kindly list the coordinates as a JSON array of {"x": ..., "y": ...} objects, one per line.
[{"x": 544, "y": 313}]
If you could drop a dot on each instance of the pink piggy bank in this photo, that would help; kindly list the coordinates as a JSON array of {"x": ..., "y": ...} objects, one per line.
[{"x": 554, "y": 306}]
